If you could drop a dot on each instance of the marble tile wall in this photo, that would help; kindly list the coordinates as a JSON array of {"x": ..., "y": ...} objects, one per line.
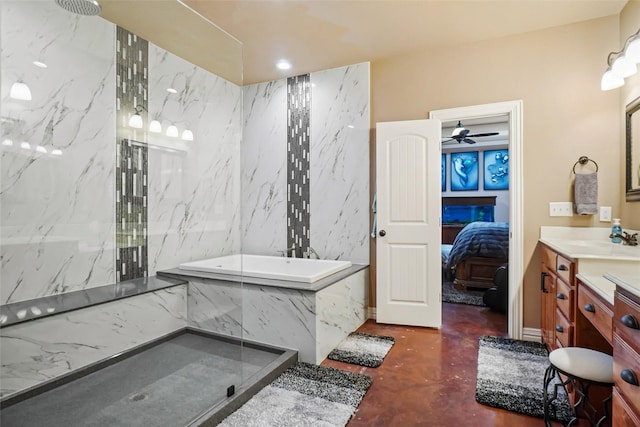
[
  {"x": 264, "y": 168},
  {"x": 57, "y": 151},
  {"x": 36, "y": 351},
  {"x": 194, "y": 186},
  {"x": 339, "y": 165}
]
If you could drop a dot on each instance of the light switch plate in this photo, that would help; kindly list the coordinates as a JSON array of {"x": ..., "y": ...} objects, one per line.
[
  {"x": 560, "y": 209},
  {"x": 605, "y": 213}
]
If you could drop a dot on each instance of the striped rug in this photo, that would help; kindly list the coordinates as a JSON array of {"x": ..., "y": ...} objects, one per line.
[
  {"x": 304, "y": 395},
  {"x": 511, "y": 376},
  {"x": 362, "y": 349}
]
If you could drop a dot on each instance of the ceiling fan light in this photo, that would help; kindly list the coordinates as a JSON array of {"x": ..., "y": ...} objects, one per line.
[
  {"x": 610, "y": 81},
  {"x": 457, "y": 130},
  {"x": 623, "y": 68}
]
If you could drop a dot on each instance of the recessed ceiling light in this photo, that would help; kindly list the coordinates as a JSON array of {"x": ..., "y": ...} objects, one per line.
[
  {"x": 283, "y": 64},
  {"x": 171, "y": 90},
  {"x": 39, "y": 64}
]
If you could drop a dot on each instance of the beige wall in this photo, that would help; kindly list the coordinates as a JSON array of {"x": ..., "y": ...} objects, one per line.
[
  {"x": 556, "y": 72},
  {"x": 629, "y": 19}
]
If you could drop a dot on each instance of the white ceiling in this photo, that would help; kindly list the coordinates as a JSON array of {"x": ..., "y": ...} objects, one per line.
[{"x": 320, "y": 35}]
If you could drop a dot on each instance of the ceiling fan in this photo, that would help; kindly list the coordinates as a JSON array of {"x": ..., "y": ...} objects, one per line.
[{"x": 461, "y": 134}]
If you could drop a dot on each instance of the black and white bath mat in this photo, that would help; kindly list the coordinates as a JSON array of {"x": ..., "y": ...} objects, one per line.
[
  {"x": 362, "y": 349},
  {"x": 456, "y": 296},
  {"x": 304, "y": 395},
  {"x": 511, "y": 374}
]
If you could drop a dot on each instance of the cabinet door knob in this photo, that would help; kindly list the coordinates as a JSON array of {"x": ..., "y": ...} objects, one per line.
[
  {"x": 561, "y": 296},
  {"x": 590, "y": 308},
  {"x": 562, "y": 267},
  {"x": 559, "y": 328},
  {"x": 629, "y": 376},
  {"x": 629, "y": 321}
]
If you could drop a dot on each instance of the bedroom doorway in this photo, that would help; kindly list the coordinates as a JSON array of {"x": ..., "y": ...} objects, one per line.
[{"x": 510, "y": 113}]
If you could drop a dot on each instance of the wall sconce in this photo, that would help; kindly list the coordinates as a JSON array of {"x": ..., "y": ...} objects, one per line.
[
  {"x": 172, "y": 131},
  {"x": 135, "y": 121},
  {"x": 622, "y": 64},
  {"x": 20, "y": 90}
]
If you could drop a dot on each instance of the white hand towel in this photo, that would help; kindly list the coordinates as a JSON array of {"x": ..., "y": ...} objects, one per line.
[{"x": 585, "y": 196}]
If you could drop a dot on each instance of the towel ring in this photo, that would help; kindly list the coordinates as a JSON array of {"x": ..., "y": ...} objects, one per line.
[{"x": 583, "y": 160}]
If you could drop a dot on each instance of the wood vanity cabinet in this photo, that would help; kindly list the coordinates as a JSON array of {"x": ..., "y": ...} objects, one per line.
[
  {"x": 626, "y": 359},
  {"x": 557, "y": 287}
]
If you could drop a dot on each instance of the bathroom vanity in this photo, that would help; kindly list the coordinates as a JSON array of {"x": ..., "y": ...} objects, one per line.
[{"x": 590, "y": 294}]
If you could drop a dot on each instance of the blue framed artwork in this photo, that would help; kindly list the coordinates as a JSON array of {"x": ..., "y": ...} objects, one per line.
[
  {"x": 496, "y": 169},
  {"x": 464, "y": 171},
  {"x": 444, "y": 172}
]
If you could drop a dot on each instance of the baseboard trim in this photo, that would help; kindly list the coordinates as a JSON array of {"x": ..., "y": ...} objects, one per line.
[
  {"x": 531, "y": 334},
  {"x": 371, "y": 313}
]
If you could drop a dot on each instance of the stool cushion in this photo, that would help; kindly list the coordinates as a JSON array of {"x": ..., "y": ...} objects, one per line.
[{"x": 583, "y": 363}]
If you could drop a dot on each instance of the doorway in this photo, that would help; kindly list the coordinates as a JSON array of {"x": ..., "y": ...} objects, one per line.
[
  {"x": 475, "y": 205},
  {"x": 512, "y": 110}
]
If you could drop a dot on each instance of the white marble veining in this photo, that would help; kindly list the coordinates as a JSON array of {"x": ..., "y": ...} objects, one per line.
[
  {"x": 36, "y": 351},
  {"x": 310, "y": 322},
  {"x": 341, "y": 309},
  {"x": 339, "y": 164},
  {"x": 194, "y": 186},
  {"x": 57, "y": 151},
  {"x": 264, "y": 168},
  {"x": 339, "y": 149}
]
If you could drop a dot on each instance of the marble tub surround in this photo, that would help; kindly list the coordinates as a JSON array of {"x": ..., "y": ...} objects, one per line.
[
  {"x": 311, "y": 322},
  {"x": 23, "y": 311},
  {"x": 42, "y": 349},
  {"x": 57, "y": 152},
  {"x": 338, "y": 165},
  {"x": 194, "y": 186}
]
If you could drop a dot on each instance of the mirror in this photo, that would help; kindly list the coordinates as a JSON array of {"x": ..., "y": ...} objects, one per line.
[{"x": 633, "y": 151}]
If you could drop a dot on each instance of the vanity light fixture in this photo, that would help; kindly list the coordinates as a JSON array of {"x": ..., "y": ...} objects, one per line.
[
  {"x": 135, "y": 121},
  {"x": 25, "y": 145},
  {"x": 41, "y": 149},
  {"x": 155, "y": 126},
  {"x": 622, "y": 64},
  {"x": 40, "y": 64},
  {"x": 56, "y": 152},
  {"x": 20, "y": 90},
  {"x": 172, "y": 131},
  {"x": 187, "y": 135},
  {"x": 171, "y": 90},
  {"x": 7, "y": 143}
]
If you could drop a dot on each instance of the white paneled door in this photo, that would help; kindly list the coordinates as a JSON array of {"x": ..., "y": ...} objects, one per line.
[{"x": 409, "y": 272}]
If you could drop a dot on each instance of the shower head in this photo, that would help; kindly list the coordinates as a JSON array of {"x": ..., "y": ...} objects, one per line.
[{"x": 80, "y": 7}]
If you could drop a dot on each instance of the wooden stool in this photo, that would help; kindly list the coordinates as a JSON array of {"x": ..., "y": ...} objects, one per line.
[{"x": 583, "y": 368}]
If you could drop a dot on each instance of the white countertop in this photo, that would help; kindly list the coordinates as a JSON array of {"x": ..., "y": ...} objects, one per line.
[{"x": 601, "y": 264}]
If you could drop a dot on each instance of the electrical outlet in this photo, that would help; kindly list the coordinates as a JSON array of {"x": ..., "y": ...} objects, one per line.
[
  {"x": 605, "y": 213},
  {"x": 560, "y": 209}
]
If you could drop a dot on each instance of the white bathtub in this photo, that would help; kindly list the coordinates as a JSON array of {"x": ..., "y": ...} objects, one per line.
[{"x": 269, "y": 267}]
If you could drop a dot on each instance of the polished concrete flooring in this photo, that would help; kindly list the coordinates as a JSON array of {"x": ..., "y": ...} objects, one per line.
[{"x": 428, "y": 378}]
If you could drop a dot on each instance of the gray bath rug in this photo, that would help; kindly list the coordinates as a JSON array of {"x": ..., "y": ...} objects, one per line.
[
  {"x": 304, "y": 395},
  {"x": 511, "y": 376},
  {"x": 452, "y": 295},
  {"x": 362, "y": 349}
]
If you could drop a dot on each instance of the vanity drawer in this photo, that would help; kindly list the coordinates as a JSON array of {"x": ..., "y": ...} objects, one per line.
[
  {"x": 565, "y": 269},
  {"x": 597, "y": 311},
  {"x": 626, "y": 363},
  {"x": 564, "y": 330},
  {"x": 623, "y": 415},
  {"x": 626, "y": 317},
  {"x": 564, "y": 299}
]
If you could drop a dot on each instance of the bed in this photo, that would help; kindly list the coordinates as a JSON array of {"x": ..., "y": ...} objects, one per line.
[{"x": 476, "y": 253}]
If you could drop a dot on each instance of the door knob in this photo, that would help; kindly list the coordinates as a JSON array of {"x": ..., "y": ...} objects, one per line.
[{"x": 382, "y": 233}]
